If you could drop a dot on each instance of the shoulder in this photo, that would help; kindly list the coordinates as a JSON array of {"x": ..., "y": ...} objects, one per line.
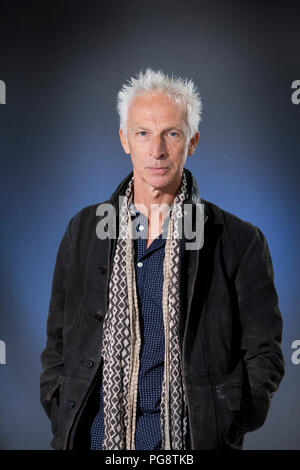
[
  {"x": 237, "y": 234},
  {"x": 230, "y": 221},
  {"x": 85, "y": 220}
]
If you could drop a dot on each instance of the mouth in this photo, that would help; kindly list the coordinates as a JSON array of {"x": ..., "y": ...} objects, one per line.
[{"x": 159, "y": 171}]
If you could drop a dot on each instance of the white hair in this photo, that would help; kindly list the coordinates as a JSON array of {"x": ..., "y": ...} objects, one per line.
[{"x": 182, "y": 91}]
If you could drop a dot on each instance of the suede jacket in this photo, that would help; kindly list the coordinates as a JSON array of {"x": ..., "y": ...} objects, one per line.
[{"x": 230, "y": 326}]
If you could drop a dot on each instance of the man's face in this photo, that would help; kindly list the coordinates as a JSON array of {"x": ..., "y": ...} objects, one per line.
[{"x": 157, "y": 140}]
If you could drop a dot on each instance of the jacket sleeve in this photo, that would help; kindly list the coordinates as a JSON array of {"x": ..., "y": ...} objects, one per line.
[
  {"x": 261, "y": 324},
  {"x": 52, "y": 355}
]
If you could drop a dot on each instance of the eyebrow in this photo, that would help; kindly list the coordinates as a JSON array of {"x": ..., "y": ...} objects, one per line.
[
  {"x": 165, "y": 130},
  {"x": 140, "y": 127}
]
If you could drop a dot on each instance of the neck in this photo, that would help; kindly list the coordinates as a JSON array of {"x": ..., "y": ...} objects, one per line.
[
  {"x": 154, "y": 203},
  {"x": 144, "y": 196}
]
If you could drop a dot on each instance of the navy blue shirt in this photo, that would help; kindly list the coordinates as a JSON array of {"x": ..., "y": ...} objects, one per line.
[{"x": 149, "y": 279}]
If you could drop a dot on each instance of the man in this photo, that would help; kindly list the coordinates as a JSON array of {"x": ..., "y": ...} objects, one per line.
[{"x": 156, "y": 342}]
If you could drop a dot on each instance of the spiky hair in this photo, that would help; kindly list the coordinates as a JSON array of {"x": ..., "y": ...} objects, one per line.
[{"x": 179, "y": 89}]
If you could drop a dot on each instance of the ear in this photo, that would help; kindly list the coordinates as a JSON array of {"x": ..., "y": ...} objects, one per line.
[
  {"x": 124, "y": 141},
  {"x": 193, "y": 143}
]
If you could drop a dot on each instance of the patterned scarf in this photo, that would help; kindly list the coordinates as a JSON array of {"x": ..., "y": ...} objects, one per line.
[{"x": 122, "y": 340}]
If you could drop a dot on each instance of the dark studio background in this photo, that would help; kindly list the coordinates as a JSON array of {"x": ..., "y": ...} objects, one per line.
[{"x": 63, "y": 63}]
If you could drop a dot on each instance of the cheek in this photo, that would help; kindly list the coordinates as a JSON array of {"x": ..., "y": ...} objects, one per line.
[
  {"x": 178, "y": 151},
  {"x": 138, "y": 147},
  {"x": 138, "y": 157}
]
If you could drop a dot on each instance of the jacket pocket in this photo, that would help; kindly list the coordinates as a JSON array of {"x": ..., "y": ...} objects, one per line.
[
  {"x": 253, "y": 410},
  {"x": 229, "y": 398},
  {"x": 203, "y": 420},
  {"x": 54, "y": 397},
  {"x": 202, "y": 414}
]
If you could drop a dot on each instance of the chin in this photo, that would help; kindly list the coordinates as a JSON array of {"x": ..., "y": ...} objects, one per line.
[{"x": 159, "y": 182}]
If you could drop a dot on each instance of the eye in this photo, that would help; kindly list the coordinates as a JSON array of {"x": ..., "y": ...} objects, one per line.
[
  {"x": 142, "y": 133},
  {"x": 174, "y": 134}
]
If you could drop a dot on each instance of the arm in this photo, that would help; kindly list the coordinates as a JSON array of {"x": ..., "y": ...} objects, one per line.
[
  {"x": 261, "y": 324},
  {"x": 52, "y": 356}
]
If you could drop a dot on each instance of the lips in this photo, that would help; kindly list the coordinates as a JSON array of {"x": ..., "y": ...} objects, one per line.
[{"x": 159, "y": 170}]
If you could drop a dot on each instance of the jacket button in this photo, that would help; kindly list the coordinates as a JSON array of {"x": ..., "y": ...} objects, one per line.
[
  {"x": 102, "y": 269},
  {"x": 71, "y": 403},
  {"x": 98, "y": 317},
  {"x": 90, "y": 364}
]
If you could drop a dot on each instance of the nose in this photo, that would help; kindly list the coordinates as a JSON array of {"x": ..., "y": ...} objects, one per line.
[{"x": 157, "y": 147}]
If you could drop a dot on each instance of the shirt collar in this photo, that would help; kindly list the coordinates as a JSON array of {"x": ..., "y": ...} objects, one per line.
[{"x": 135, "y": 213}]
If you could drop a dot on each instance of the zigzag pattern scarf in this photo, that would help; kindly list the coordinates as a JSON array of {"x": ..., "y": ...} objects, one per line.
[{"x": 122, "y": 340}]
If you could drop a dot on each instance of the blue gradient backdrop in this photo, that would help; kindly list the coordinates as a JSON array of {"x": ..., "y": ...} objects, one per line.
[{"x": 63, "y": 63}]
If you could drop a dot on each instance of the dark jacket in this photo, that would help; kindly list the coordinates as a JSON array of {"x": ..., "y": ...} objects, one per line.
[{"x": 230, "y": 326}]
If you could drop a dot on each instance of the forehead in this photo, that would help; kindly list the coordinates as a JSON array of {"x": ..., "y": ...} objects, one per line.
[{"x": 155, "y": 106}]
